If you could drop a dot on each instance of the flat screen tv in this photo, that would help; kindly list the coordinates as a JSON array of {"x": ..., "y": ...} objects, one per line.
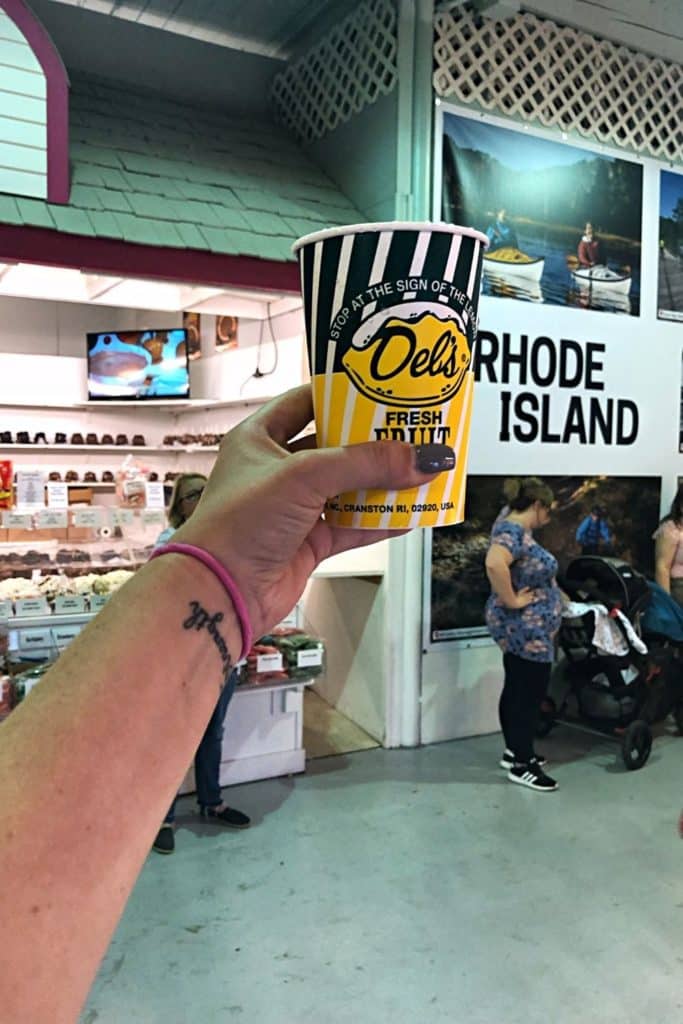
[{"x": 138, "y": 365}]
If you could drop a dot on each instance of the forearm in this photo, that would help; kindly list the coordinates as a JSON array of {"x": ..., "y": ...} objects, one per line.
[
  {"x": 501, "y": 583},
  {"x": 663, "y": 576},
  {"x": 70, "y": 871}
]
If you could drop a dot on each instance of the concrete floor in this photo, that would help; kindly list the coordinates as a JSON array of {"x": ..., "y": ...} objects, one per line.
[{"x": 417, "y": 887}]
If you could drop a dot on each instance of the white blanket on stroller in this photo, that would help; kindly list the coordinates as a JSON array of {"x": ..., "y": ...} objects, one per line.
[{"x": 607, "y": 636}]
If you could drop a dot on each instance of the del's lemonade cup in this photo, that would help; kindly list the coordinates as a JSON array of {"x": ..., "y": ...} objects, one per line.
[{"x": 391, "y": 321}]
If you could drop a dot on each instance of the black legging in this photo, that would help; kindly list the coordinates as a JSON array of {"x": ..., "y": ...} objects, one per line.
[{"x": 525, "y": 687}]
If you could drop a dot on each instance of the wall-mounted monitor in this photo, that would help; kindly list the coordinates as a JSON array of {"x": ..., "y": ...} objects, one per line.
[{"x": 138, "y": 365}]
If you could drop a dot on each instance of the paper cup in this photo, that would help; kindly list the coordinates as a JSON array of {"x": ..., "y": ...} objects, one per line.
[{"x": 391, "y": 321}]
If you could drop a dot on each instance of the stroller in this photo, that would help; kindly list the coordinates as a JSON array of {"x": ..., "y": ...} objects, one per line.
[{"x": 623, "y": 655}]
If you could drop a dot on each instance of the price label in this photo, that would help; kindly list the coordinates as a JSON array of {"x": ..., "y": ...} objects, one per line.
[
  {"x": 121, "y": 516},
  {"x": 291, "y": 621},
  {"x": 98, "y": 601},
  {"x": 57, "y": 495},
  {"x": 69, "y": 604},
  {"x": 17, "y": 520},
  {"x": 5, "y": 609},
  {"x": 48, "y": 519},
  {"x": 269, "y": 662},
  {"x": 32, "y": 638},
  {"x": 30, "y": 489},
  {"x": 31, "y": 606},
  {"x": 154, "y": 494},
  {"x": 63, "y": 635},
  {"x": 307, "y": 659},
  {"x": 153, "y": 517},
  {"x": 93, "y": 517}
]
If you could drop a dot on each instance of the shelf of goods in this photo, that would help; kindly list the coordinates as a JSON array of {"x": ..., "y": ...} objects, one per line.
[{"x": 61, "y": 449}]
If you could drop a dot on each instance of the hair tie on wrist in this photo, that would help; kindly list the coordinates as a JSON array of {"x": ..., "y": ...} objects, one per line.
[{"x": 224, "y": 577}]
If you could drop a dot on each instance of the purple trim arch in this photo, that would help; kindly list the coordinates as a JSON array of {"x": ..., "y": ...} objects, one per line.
[
  {"x": 57, "y": 82},
  {"x": 128, "y": 259}
]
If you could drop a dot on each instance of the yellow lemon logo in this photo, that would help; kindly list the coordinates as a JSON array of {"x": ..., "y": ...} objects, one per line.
[{"x": 414, "y": 354}]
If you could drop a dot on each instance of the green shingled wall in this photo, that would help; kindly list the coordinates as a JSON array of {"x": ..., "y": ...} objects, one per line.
[{"x": 150, "y": 171}]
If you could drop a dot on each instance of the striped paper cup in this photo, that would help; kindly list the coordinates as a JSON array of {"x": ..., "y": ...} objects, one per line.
[{"x": 391, "y": 321}]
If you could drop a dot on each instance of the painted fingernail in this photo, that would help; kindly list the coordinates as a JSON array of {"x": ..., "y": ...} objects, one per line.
[{"x": 434, "y": 458}]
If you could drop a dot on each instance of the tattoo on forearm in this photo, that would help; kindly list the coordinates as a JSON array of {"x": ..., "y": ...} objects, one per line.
[{"x": 201, "y": 619}]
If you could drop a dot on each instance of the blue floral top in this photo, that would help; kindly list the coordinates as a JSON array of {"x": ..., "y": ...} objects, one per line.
[{"x": 527, "y": 632}]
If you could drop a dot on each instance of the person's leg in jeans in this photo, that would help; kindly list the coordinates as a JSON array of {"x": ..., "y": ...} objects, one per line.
[
  {"x": 207, "y": 765},
  {"x": 525, "y": 686}
]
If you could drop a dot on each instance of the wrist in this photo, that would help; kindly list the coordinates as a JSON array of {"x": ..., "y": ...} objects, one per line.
[{"x": 204, "y": 609}]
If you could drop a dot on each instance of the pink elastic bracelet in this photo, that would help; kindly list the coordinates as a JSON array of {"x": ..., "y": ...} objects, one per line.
[{"x": 221, "y": 574}]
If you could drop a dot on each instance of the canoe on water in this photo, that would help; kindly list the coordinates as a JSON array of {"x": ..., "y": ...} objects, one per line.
[
  {"x": 513, "y": 262},
  {"x": 602, "y": 278}
]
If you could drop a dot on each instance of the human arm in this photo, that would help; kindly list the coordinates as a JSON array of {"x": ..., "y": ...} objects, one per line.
[
  {"x": 666, "y": 542},
  {"x": 130, "y": 699},
  {"x": 498, "y": 562},
  {"x": 605, "y": 532}
]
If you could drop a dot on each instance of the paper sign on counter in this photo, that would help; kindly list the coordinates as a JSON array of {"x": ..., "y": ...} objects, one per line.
[
  {"x": 57, "y": 495},
  {"x": 121, "y": 516},
  {"x": 153, "y": 517},
  {"x": 17, "y": 520},
  {"x": 154, "y": 494},
  {"x": 63, "y": 635},
  {"x": 69, "y": 604},
  {"x": 5, "y": 609},
  {"x": 307, "y": 659},
  {"x": 93, "y": 517},
  {"x": 48, "y": 519},
  {"x": 30, "y": 488},
  {"x": 269, "y": 663},
  {"x": 32, "y": 638},
  {"x": 98, "y": 601},
  {"x": 25, "y": 606}
]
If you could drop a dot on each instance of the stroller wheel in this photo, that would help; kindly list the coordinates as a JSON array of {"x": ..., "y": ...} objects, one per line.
[
  {"x": 636, "y": 744},
  {"x": 546, "y": 717}
]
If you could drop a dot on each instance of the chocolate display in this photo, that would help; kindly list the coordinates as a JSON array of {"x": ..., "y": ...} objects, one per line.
[
  {"x": 23, "y": 437},
  {"x": 71, "y": 476},
  {"x": 91, "y": 439},
  {"x": 107, "y": 477},
  {"x": 107, "y": 439},
  {"x": 77, "y": 438},
  {"x": 89, "y": 477},
  {"x": 122, "y": 439},
  {"x": 6, "y": 437},
  {"x": 54, "y": 475},
  {"x": 138, "y": 440},
  {"x": 60, "y": 438},
  {"x": 40, "y": 438}
]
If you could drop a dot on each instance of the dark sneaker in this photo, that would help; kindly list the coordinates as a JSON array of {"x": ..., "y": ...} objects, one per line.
[
  {"x": 508, "y": 760},
  {"x": 228, "y": 816},
  {"x": 533, "y": 777},
  {"x": 165, "y": 840}
]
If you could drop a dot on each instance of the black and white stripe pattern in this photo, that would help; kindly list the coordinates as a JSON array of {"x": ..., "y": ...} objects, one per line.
[{"x": 334, "y": 272}]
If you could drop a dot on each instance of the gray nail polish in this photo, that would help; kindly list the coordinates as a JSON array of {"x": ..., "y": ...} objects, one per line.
[{"x": 434, "y": 458}]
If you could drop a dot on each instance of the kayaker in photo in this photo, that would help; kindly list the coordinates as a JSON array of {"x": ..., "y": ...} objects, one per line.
[
  {"x": 500, "y": 234},
  {"x": 589, "y": 248},
  {"x": 593, "y": 534}
]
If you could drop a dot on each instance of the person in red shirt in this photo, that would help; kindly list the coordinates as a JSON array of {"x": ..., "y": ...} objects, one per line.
[{"x": 589, "y": 248}]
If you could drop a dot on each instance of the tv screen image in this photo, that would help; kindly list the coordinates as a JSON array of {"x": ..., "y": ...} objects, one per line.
[{"x": 138, "y": 364}]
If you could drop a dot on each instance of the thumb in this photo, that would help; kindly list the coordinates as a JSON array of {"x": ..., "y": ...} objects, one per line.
[{"x": 390, "y": 465}]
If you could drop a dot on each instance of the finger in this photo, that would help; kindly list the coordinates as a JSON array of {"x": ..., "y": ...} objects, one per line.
[
  {"x": 286, "y": 416},
  {"x": 390, "y": 465},
  {"x": 302, "y": 444}
]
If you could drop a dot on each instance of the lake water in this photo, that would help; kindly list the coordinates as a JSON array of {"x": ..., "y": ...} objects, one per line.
[{"x": 557, "y": 287}]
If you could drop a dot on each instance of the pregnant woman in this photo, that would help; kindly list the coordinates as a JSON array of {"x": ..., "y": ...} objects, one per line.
[{"x": 523, "y": 615}]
